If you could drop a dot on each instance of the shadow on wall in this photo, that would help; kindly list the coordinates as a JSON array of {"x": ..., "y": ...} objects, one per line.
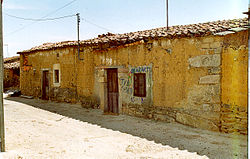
[{"x": 175, "y": 135}]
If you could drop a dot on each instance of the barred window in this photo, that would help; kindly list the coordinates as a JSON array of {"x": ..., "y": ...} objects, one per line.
[{"x": 140, "y": 84}]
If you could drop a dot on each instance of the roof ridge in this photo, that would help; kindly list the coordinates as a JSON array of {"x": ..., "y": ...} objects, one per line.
[{"x": 11, "y": 59}]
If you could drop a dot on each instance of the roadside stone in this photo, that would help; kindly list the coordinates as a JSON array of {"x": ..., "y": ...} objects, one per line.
[
  {"x": 206, "y": 107},
  {"x": 208, "y": 115},
  {"x": 196, "y": 122},
  {"x": 205, "y": 61},
  {"x": 150, "y": 116},
  {"x": 214, "y": 70},
  {"x": 218, "y": 50},
  {"x": 215, "y": 45},
  {"x": 165, "y": 118},
  {"x": 138, "y": 114},
  {"x": 210, "y": 79},
  {"x": 201, "y": 94}
]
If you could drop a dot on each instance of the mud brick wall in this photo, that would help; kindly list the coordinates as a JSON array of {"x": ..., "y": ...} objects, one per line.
[
  {"x": 73, "y": 87},
  {"x": 11, "y": 78},
  {"x": 193, "y": 80},
  {"x": 203, "y": 98},
  {"x": 63, "y": 94},
  {"x": 234, "y": 119},
  {"x": 183, "y": 79},
  {"x": 32, "y": 66},
  {"x": 186, "y": 82},
  {"x": 234, "y": 111}
]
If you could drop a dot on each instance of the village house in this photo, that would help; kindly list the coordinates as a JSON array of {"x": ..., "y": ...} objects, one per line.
[
  {"x": 192, "y": 74},
  {"x": 11, "y": 73}
]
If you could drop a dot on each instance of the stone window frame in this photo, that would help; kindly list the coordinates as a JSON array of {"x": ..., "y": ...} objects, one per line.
[{"x": 55, "y": 83}]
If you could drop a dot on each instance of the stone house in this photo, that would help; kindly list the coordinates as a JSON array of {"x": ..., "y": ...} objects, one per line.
[
  {"x": 11, "y": 73},
  {"x": 193, "y": 74}
]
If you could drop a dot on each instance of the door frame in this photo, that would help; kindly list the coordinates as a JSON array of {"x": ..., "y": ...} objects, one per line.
[
  {"x": 102, "y": 91},
  {"x": 117, "y": 98},
  {"x": 42, "y": 84}
]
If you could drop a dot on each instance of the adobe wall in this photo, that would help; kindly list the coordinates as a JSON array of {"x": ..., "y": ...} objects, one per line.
[
  {"x": 11, "y": 79},
  {"x": 187, "y": 79},
  {"x": 86, "y": 80},
  {"x": 33, "y": 65},
  {"x": 234, "y": 83},
  {"x": 183, "y": 79}
]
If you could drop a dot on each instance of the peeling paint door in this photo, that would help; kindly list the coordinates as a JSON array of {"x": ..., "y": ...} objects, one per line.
[
  {"x": 45, "y": 85},
  {"x": 113, "y": 94}
]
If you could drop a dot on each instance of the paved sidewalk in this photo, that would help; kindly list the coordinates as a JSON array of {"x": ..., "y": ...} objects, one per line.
[{"x": 42, "y": 129}]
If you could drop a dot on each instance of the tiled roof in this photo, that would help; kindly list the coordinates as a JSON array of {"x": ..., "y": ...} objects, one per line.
[
  {"x": 12, "y": 62},
  {"x": 178, "y": 31},
  {"x": 10, "y": 59},
  {"x": 12, "y": 65}
]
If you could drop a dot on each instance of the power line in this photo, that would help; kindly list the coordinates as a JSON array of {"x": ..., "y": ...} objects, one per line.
[
  {"x": 59, "y": 9},
  {"x": 32, "y": 19},
  {"x": 11, "y": 33},
  {"x": 97, "y": 25}
]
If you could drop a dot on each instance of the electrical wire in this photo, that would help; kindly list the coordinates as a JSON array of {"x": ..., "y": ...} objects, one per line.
[
  {"x": 31, "y": 19},
  {"x": 59, "y": 9},
  {"x": 11, "y": 33},
  {"x": 96, "y": 25}
]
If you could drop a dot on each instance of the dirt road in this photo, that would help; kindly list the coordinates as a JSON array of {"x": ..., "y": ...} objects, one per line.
[{"x": 42, "y": 129}]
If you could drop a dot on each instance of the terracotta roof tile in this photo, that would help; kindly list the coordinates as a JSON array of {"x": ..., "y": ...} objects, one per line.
[
  {"x": 12, "y": 65},
  {"x": 200, "y": 29},
  {"x": 12, "y": 62},
  {"x": 11, "y": 59}
]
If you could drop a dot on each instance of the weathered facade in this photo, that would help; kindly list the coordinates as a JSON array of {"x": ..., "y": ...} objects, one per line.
[
  {"x": 11, "y": 73},
  {"x": 194, "y": 74}
]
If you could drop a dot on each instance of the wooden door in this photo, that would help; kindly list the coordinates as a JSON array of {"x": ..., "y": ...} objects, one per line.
[
  {"x": 45, "y": 85},
  {"x": 113, "y": 93}
]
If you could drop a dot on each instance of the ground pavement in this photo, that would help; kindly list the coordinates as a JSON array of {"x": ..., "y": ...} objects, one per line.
[{"x": 43, "y": 129}]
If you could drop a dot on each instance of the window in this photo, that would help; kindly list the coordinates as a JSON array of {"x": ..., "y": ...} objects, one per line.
[
  {"x": 140, "y": 84},
  {"x": 56, "y": 75},
  {"x": 57, "y": 56}
]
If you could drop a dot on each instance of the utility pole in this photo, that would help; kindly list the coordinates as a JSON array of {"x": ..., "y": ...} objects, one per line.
[
  {"x": 248, "y": 71},
  {"x": 167, "y": 12},
  {"x": 1, "y": 84},
  {"x": 78, "y": 34}
]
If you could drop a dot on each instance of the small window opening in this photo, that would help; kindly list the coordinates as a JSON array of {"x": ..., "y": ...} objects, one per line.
[
  {"x": 56, "y": 76},
  {"x": 140, "y": 84}
]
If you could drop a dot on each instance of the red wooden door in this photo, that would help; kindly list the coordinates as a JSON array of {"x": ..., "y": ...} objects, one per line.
[
  {"x": 45, "y": 85},
  {"x": 113, "y": 93}
]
